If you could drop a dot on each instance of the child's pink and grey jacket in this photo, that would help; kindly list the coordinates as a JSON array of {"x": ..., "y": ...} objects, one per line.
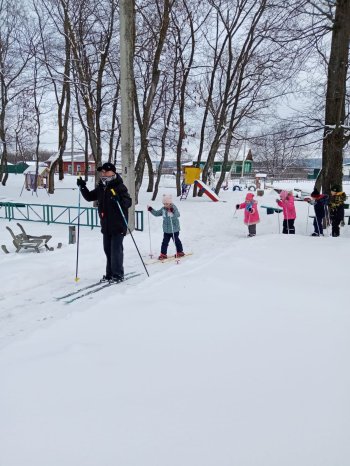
[
  {"x": 287, "y": 204},
  {"x": 250, "y": 206}
]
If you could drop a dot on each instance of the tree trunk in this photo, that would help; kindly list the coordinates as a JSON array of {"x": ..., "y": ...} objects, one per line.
[{"x": 333, "y": 142}]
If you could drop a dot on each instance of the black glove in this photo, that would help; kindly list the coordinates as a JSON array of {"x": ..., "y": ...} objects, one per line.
[
  {"x": 237, "y": 206},
  {"x": 149, "y": 208},
  {"x": 81, "y": 183}
]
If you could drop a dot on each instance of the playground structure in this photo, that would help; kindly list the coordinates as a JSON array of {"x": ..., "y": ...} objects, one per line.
[
  {"x": 35, "y": 178},
  {"x": 205, "y": 189},
  {"x": 191, "y": 174},
  {"x": 192, "y": 177}
]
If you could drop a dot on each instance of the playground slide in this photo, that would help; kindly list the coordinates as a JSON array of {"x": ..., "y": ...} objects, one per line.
[{"x": 206, "y": 190}]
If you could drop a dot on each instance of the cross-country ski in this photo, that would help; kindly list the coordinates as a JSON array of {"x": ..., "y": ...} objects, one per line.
[
  {"x": 87, "y": 287},
  {"x": 172, "y": 258},
  {"x": 95, "y": 289}
]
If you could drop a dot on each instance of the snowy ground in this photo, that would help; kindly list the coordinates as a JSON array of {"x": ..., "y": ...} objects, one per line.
[{"x": 236, "y": 356}]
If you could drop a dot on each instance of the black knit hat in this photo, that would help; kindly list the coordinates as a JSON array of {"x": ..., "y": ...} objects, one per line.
[
  {"x": 336, "y": 188},
  {"x": 107, "y": 167}
]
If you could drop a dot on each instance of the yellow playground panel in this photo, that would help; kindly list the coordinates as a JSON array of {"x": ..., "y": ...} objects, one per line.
[{"x": 192, "y": 174}]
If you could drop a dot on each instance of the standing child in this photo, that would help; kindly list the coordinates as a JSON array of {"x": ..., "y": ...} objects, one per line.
[
  {"x": 286, "y": 201},
  {"x": 336, "y": 208},
  {"x": 251, "y": 214},
  {"x": 319, "y": 201},
  {"x": 171, "y": 226}
]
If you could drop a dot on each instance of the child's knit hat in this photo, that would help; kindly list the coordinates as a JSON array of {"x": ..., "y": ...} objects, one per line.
[
  {"x": 284, "y": 194},
  {"x": 167, "y": 199},
  {"x": 249, "y": 197},
  {"x": 336, "y": 188}
]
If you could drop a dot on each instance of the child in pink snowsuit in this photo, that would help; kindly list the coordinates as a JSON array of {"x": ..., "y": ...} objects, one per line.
[
  {"x": 251, "y": 214},
  {"x": 286, "y": 201}
]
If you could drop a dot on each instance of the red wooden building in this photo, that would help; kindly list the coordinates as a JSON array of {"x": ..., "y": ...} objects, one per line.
[{"x": 77, "y": 160}]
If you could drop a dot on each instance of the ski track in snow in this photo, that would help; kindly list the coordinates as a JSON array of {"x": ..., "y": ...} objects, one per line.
[{"x": 208, "y": 229}]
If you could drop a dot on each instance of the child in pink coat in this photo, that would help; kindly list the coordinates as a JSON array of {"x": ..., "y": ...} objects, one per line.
[
  {"x": 286, "y": 201},
  {"x": 251, "y": 214}
]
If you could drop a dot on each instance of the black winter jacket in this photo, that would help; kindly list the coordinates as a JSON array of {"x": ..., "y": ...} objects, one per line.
[
  {"x": 320, "y": 203},
  {"x": 112, "y": 222}
]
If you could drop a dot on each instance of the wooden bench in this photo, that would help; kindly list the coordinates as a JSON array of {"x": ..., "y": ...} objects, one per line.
[
  {"x": 26, "y": 237},
  {"x": 25, "y": 241}
]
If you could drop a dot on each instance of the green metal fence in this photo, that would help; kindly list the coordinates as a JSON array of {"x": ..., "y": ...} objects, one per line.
[{"x": 64, "y": 215}]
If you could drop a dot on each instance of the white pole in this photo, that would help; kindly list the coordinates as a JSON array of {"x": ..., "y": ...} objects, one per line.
[
  {"x": 307, "y": 218},
  {"x": 149, "y": 233}
]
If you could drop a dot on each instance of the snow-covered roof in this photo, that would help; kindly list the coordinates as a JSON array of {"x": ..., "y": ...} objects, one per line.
[
  {"x": 32, "y": 163},
  {"x": 187, "y": 164},
  {"x": 238, "y": 154},
  {"x": 32, "y": 169},
  {"x": 76, "y": 158}
]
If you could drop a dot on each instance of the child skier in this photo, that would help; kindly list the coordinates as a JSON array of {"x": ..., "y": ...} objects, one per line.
[
  {"x": 336, "y": 208},
  {"x": 171, "y": 226},
  {"x": 251, "y": 214},
  {"x": 319, "y": 201},
  {"x": 286, "y": 201}
]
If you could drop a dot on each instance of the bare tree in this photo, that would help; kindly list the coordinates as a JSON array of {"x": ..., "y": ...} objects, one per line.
[
  {"x": 185, "y": 41},
  {"x": 90, "y": 30},
  {"x": 148, "y": 51},
  {"x": 24, "y": 126},
  {"x": 56, "y": 57},
  {"x": 38, "y": 91},
  {"x": 15, "y": 54},
  {"x": 278, "y": 151},
  {"x": 248, "y": 60},
  {"x": 336, "y": 134},
  {"x": 169, "y": 98}
]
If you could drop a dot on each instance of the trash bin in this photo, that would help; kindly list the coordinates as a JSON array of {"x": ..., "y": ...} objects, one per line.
[{"x": 72, "y": 236}]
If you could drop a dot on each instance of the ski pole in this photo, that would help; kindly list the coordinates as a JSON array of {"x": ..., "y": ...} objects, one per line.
[
  {"x": 149, "y": 234},
  {"x": 318, "y": 225},
  {"x": 172, "y": 229},
  {"x": 77, "y": 259},
  {"x": 326, "y": 218},
  {"x": 307, "y": 219},
  {"x": 127, "y": 226},
  {"x": 249, "y": 213}
]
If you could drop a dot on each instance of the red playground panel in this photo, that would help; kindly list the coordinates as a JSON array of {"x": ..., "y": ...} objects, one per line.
[{"x": 206, "y": 190}]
